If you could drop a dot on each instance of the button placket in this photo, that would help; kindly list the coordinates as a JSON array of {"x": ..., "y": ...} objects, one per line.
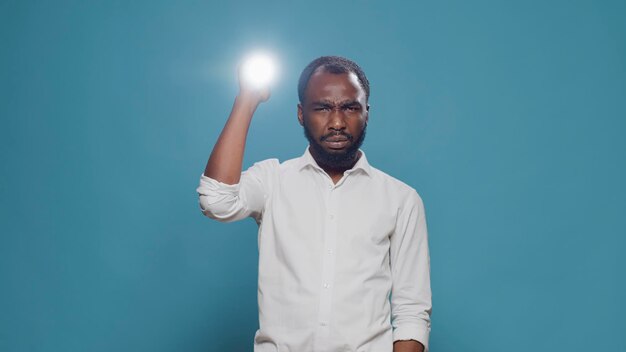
[{"x": 328, "y": 261}]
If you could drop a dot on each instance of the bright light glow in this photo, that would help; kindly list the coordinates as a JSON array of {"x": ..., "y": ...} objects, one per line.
[{"x": 258, "y": 70}]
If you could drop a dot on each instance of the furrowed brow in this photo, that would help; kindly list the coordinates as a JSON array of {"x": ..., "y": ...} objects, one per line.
[
  {"x": 351, "y": 103},
  {"x": 322, "y": 104},
  {"x": 325, "y": 102}
]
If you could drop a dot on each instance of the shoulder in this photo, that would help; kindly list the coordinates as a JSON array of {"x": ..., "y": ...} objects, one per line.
[
  {"x": 272, "y": 167},
  {"x": 290, "y": 164},
  {"x": 262, "y": 166},
  {"x": 400, "y": 190}
]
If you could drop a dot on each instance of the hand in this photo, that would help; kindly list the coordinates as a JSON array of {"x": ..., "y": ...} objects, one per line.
[
  {"x": 254, "y": 94},
  {"x": 407, "y": 346}
]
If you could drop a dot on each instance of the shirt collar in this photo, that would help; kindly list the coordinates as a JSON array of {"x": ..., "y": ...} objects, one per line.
[{"x": 307, "y": 160}]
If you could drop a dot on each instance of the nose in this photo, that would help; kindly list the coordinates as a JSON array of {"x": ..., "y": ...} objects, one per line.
[{"x": 337, "y": 120}]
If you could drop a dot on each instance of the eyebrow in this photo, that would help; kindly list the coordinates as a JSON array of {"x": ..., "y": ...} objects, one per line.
[{"x": 330, "y": 103}]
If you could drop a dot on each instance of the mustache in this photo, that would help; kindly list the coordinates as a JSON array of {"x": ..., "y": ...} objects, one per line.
[{"x": 348, "y": 136}]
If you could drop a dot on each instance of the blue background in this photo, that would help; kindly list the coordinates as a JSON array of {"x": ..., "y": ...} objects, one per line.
[{"x": 507, "y": 117}]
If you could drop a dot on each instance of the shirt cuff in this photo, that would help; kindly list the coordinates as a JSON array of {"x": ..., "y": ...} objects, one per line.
[
  {"x": 412, "y": 332},
  {"x": 210, "y": 186}
]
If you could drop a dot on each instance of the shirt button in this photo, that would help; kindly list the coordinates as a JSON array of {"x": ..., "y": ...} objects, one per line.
[
  {"x": 332, "y": 216},
  {"x": 330, "y": 251},
  {"x": 326, "y": 285},
  {"x": 323, "y": 323}
]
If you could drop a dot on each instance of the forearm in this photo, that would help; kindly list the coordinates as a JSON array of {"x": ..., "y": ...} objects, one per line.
[
  {"x": 408, "y": 346},
  {"x": 225, "y": 162}
]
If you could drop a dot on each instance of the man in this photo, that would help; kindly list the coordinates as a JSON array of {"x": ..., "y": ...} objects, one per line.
[{"x": 343, "y": 249}]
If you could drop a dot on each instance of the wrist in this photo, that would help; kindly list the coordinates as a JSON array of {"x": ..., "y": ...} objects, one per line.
[
  {"x": 247, "y": 101},
  {"x": 249, "y": 98}
]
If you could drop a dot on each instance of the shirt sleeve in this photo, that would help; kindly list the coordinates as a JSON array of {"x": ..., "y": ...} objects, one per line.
[
  {"x": 411, "y": 303},
  {"x": 227, "y": 203}
]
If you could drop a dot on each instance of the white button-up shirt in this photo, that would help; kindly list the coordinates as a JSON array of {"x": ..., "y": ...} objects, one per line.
[{"x": 342, "y": 267}]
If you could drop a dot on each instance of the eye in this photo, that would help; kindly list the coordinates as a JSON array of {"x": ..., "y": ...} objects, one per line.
[{"x": 321, "y": 108}]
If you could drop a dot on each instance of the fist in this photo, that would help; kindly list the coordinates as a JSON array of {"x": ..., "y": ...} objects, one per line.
[
  {"x": 255, "y": 76},
  {"x": 259, "y": 94}
]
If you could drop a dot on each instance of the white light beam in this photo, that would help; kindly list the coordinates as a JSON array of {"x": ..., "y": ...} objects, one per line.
[{"x": 259, "y": 70}]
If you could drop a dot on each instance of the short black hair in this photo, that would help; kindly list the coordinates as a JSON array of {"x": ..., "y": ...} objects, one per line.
[{"x": 336, "y": 65}]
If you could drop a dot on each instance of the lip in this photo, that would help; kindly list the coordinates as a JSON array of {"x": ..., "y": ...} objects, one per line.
[
  {"x": 336, "y": 139},
  {"x": 336, "y": 143}
]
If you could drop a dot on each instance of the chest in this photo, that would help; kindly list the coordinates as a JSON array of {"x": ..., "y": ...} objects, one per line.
[{"x": 358, "y": 211}]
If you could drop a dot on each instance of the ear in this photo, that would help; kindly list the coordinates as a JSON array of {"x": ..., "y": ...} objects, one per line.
[
  {"x": 300, "y": 118},
  {"x": 367, "y": 113}
]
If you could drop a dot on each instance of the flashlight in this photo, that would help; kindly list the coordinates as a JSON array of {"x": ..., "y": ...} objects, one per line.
[{"x": 258, "y": 70}]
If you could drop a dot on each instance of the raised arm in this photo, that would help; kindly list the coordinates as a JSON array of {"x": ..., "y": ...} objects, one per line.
[{"x": 225, "y": 162}]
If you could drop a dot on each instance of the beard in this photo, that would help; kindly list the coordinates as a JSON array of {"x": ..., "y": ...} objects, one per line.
[{"x": 340, "y": 159}]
